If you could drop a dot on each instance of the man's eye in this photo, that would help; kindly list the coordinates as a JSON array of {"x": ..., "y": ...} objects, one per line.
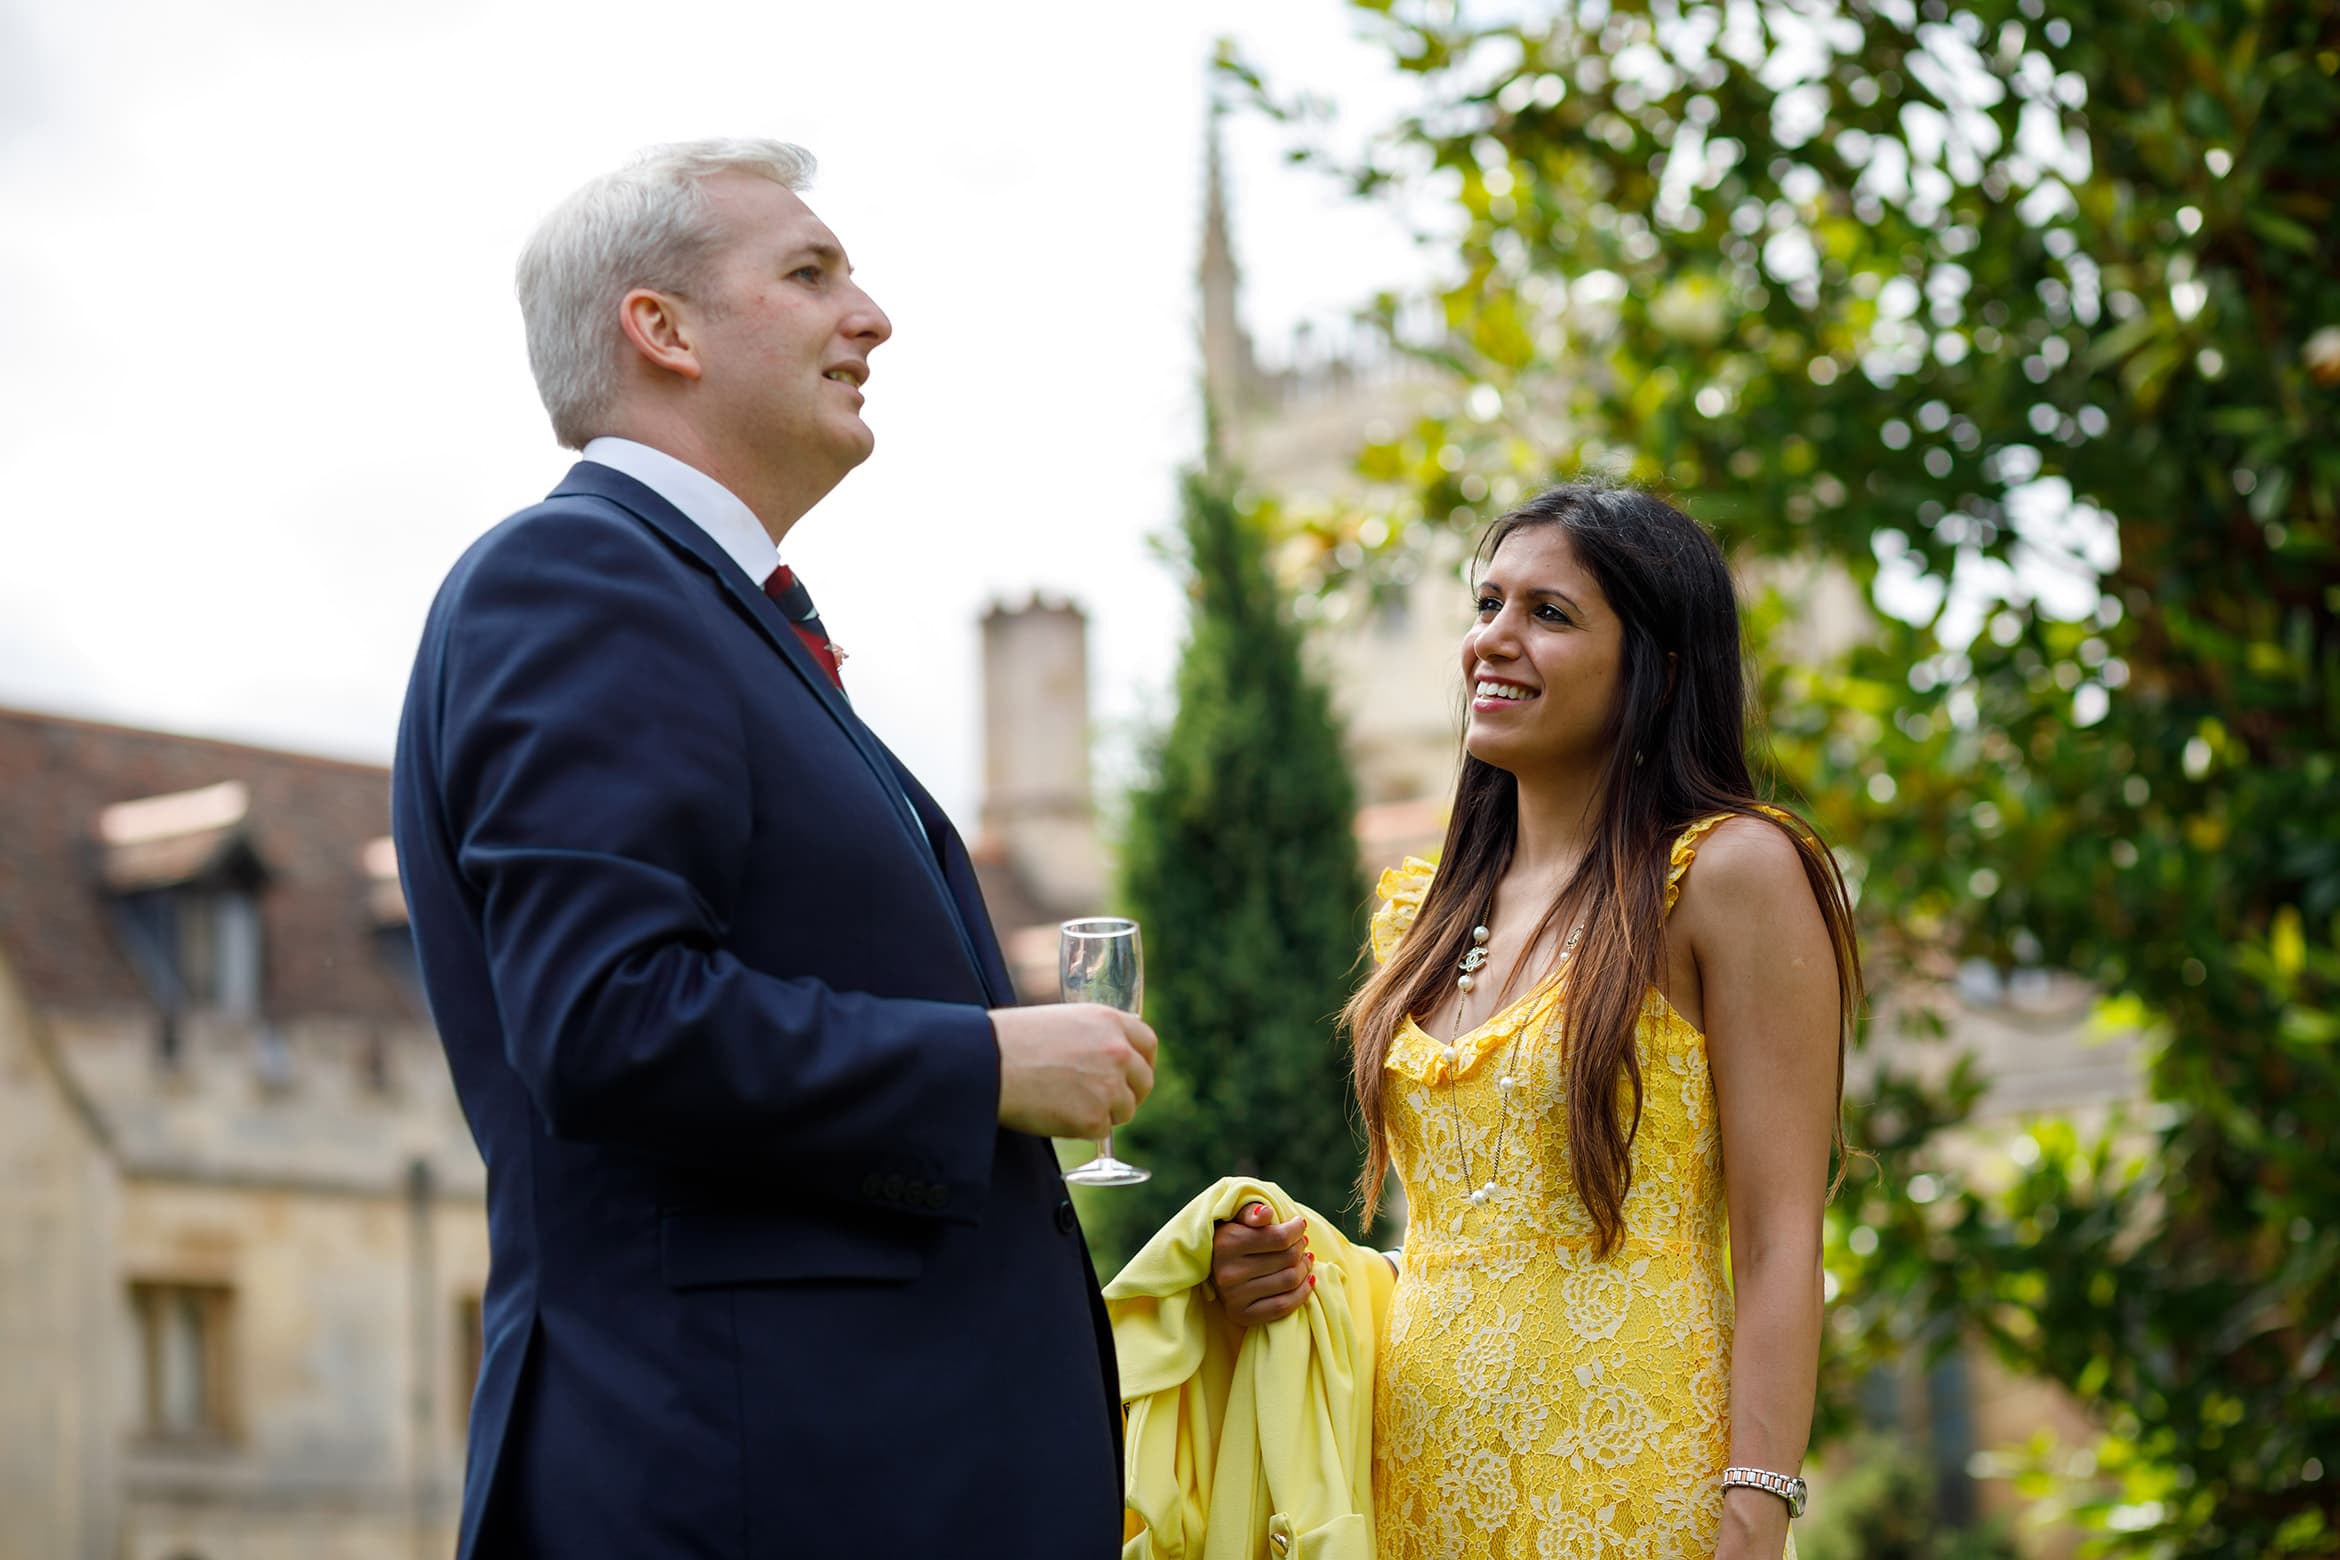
[{"x": 812, "y": 271}]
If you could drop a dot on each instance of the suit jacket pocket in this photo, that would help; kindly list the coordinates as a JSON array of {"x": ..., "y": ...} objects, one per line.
[{"x": 706, "y": 1247}]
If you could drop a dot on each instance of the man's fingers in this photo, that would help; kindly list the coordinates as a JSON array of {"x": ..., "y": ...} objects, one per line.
[
  {"x": 1141, "y": 1037},
  {"x": 1138, "y": 1073}
]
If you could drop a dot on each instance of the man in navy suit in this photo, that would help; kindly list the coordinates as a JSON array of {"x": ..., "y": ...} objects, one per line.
[{"x": 782, "y": 1264}]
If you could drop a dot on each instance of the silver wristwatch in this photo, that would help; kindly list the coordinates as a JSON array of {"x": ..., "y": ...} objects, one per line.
[{"x": 1790, "y": 1490}]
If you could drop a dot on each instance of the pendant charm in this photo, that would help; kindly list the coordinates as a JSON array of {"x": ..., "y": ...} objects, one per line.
[{"x": 1474, "y": 960}]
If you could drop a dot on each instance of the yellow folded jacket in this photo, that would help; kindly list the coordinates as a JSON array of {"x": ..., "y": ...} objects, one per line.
[{"x": 1247, "y": 1443}]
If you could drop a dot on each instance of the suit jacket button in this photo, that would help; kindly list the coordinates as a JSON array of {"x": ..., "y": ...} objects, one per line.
[
  {"x": 893, "y": 1188},
  {"x": 1066, "y": 1223}
]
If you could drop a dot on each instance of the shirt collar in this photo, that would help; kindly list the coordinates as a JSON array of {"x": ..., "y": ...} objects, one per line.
[{"x": 705, "y": 502}]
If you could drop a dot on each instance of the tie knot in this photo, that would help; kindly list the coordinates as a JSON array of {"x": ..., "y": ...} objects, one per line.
[
  {"x": 789, "y": 593},
  {"x": 796, "y": 605}
]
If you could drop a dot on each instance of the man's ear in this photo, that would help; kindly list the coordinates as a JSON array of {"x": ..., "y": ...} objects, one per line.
[{"x": 658, "y": 328}]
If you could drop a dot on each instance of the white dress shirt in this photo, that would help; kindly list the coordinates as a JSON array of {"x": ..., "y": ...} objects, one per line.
[{"x": 705, "y": 502}]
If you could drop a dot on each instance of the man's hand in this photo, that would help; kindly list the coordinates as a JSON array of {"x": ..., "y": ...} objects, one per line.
[
  {"x": 1262, "y": 1270},
  {"x": 1074, "y": 1071}
]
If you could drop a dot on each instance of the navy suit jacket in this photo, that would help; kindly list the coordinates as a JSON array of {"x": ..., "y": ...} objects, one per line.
[{"x": 711, "y": 971}]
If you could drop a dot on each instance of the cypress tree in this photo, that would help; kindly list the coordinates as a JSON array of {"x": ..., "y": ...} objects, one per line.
[{"x": 1240, "y": 862}]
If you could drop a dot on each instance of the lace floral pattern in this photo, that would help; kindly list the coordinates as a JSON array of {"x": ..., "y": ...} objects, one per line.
[{"x": 1535, "y": 1400}]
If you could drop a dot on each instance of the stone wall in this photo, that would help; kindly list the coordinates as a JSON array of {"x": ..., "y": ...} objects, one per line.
[
  {"x": 349, "y": 1315},
  {"x": 59, "y": 1455}
]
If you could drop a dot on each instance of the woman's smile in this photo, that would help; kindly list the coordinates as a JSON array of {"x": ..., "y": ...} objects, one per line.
[{"x": 1490, "y": 694}]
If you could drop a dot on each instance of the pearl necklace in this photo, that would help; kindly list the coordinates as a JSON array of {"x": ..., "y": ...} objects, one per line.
[{"x": 1507, "y": 1082}]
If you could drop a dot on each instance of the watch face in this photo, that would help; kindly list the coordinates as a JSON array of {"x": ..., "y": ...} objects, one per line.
[{"x": 1796, "y": 1498}]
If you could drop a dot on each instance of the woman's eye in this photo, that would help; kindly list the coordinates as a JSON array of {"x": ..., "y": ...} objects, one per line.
[
  {"x": 1489, "y": 604},
  {"x": 1551, "y": 614}
]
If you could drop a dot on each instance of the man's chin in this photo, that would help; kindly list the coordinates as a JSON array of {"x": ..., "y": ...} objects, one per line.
[{"x": 856, "y": 445}]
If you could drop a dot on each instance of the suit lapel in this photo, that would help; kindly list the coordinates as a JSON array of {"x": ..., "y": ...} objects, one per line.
[
  {"x": 591, "y": 478},
  {"x": 959, "y": 876}
]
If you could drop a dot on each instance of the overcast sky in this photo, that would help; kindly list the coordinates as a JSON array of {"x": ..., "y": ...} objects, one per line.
[{"x": 265, "y": 380}]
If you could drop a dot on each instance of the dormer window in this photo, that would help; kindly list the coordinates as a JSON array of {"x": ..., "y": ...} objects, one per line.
[
  {"x": 186, "y": 884},
  {"x": 218, "y": 954}
]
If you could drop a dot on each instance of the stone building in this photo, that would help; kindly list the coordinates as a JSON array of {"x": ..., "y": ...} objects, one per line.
[
  {"x": 1037, "y": 851},
  {"x": 1294, "y": 428},
  {"x": 241, "y": 1231}
]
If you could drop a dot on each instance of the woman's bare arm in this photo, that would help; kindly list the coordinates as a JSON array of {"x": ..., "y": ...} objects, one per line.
[{"x": 1767, "y": 976}]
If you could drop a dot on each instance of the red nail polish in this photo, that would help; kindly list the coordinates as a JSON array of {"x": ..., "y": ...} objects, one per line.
[{"x": 1312, "y": 1280}]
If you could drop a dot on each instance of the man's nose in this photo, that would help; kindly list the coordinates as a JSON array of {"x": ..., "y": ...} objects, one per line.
[{"x": 865, "y": 322}]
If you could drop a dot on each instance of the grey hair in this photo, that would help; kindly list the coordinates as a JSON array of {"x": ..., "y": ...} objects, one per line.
[{"x": 648, "y": 224}]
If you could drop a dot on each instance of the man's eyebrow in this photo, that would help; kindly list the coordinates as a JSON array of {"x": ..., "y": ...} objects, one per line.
[{"x": 821, "y": 249}]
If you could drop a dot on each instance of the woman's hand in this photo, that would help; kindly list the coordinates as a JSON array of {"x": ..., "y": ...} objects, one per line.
[{"x": 1262, "y": 1270}]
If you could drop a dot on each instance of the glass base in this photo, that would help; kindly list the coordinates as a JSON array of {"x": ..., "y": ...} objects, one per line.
[{"x": 1105, "y": 1170}]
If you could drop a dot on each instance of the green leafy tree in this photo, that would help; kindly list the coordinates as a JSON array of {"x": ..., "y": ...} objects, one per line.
[
  {"x": 1881, "y": 1509},
  {"x": 1240, "y": 861},
  {"x": 2023, "y": 316}
]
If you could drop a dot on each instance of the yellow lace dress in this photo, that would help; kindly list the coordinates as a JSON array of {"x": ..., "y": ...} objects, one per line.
[{"x": 1532, "y": 1399}]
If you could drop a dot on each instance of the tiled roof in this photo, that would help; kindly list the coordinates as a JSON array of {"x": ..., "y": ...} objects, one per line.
[{"x": 310, "y": 821}]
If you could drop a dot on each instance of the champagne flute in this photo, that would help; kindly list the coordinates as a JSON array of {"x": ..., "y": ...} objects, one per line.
[{"x": 1099, "y": 960}]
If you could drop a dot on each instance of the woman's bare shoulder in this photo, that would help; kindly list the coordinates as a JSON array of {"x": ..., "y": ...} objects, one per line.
[{"x": 1746, "y": 869}]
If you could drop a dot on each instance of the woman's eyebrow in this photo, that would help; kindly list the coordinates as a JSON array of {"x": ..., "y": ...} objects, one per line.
[{"x": 1487, "y": 587}]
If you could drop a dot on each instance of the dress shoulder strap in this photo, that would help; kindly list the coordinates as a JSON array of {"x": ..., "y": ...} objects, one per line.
[
  {"x": 1401, "y": 890},
  {"x": 1686, "y": 845}
]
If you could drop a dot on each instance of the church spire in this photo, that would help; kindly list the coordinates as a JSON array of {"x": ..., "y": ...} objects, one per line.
[{"x": 1229, "y": 369}]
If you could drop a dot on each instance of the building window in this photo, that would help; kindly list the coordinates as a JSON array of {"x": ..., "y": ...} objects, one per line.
[
  {"x": 183, "y": 1332},
  {"x": 219, "y": 949},
  {"x": 186, "y": 881}
]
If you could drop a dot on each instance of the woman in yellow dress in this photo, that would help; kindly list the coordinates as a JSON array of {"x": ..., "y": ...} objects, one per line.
[{"x": 1626, "y": 974}]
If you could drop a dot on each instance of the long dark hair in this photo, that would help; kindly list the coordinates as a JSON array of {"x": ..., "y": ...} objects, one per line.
[{"x": 1678, "y": 753}]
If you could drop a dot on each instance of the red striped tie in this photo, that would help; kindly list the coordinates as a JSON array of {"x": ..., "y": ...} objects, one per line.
[{"x": 795, "y": 603}]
